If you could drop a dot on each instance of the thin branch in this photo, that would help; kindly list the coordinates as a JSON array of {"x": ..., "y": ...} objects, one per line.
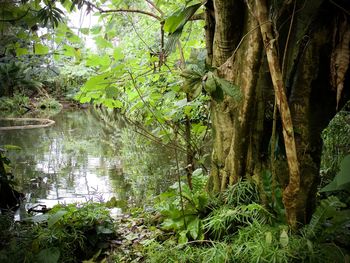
[
  {"x": 143, "y": 41},
  {"x": 122, "y": 10},
  {"x": 131, "y": 11},
  {"x": 242, "y": 39},
  {"x": 287, "y": 41},
  {"x": 179, "y": 182},
  {"x": 342, "y": 8},
  {"x": 155, "y": 7},
  {"x": 143, "y": 132},
  {"x": 147, "y": 105}
]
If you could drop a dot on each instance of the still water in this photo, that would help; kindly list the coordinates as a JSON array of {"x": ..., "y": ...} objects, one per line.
[{"x": 85, "y": 157}]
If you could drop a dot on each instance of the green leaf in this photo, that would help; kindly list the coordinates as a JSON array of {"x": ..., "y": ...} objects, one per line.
[
  {"x": 342, "y": 180},
  {"x": 210, "y": 83},
  {"x": 268, "y": 237},
  {"x": 118, "y": 53},
  {"x": 193, "y": 228},
  {"x": 40, "y": 49},
  {"x": 181, "y": 103},
  {"x": 229, "y": 88},
  {"x": 85, "y": 100},
  {"x": 218, "y": 94},
  {"x": 104, "y": 230},
  {"x": 102, "y": 43},
  {"x": 111, "y": 92},
  {"x": 98, "y": 61},
  {"x": 53, "y": 219},
  {"x": 284, "y": 239},
  {"x": 197, "y": 172},
  {"x": 73, "y": 38},
  {"x": 37, "y": 218},
  {"x": 21, "y": 51},
  {"x": 85, "y": 31},
  {"x": 183, "y": 237},
  {"x": 98, "y": 82},
  {"x": 118, "y": 104},
  {"x": 169, "y": 224},
  {"x": 48, "y": 255},
  {"x": 68, "y": 51},
  {"x": 96, "y": 30},
  {"x": 179, "y": 18},
  {"x": 343, "y": 177}
]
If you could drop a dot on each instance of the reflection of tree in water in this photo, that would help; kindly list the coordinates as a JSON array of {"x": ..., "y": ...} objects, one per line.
[
  {"x": 83, "y": 145},
  {"x": 148, "y": 168},
  {"x": 57, "y": 157}
]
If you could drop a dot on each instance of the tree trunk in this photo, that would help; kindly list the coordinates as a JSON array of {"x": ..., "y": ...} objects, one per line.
[{"x": 242, "y": 131}]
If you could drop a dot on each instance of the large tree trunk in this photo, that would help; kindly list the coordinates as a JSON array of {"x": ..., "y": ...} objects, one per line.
[{"x": 242, "y": 131}]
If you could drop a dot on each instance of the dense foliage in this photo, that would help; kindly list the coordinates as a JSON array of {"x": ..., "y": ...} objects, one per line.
[{"x": 144, "y": 64}]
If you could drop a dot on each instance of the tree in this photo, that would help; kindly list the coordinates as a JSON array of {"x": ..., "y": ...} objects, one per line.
[
  {"x": 290, "y": 61},
  {"x": 289, "y": 96}
]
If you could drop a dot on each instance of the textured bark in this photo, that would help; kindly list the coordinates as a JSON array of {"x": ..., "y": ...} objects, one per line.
[
  {"x": 242, "y": 131},
  {"x": 228, "y": 24},
  {"x": 231, "y": 120}
]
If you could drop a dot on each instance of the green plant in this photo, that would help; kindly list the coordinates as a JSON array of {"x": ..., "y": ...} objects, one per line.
[
  {"x": 342, "y": 180},
  {"x": 271, "y": 195},
  {"x": 72, "y": 232},
  {"x": 329, "y": 221},
  {"x": 48, "y": 103},
  {"x": 13, "y": 78},
  {"x": 226, "y": 220},
  {"x": 238, "y": 207},
  {"x": 205, "y": 252},
  {"x": 184, "y": 210},
  {"x": 18, "y": 102},
  {"x": 336, "y": 143}
]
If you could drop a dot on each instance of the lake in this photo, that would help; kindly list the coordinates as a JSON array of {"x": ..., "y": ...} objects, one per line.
[{"x": 87, "y": 155}]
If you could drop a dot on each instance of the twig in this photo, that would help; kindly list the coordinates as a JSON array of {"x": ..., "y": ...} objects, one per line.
[
  {"x": 342, "y": 8},
  {"x": 148, "y": 107},
  {"x": 131, "y": 11},
  {"x": 179, "y": 181},
  {"x": 242, "y": 39},
  {"x": 287, "y": 41},
  {"x": 155, "y": 7}
]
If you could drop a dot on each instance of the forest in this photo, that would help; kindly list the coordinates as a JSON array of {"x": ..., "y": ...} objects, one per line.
[{"x": 176, "y": 131}]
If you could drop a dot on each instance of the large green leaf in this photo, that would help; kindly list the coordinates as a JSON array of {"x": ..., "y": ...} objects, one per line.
[
  {"x": 48, "y": 255},
  {"x": 175, "y": 23},
  {"x": 40, "y": 49},
  {"x": 21, "y": 51},
  {"x": 68, "y": 51},
  {"x": 53, "y": 219},
  {"x": 193, "y": 228},
  {"x": 98, "y": 82},
  {"x": 98, "y": 61},
  {"x": 229, "y": 88},
  {"x": 102, "y": 43},
  {"x": 343, "y": 177},
  {"x": 118, "y": 53},
  {"x": 183, "y": 237},
  {"x": 210, "y": 83},
  {"x": 342, "y": 180},
  {"x": 179, "y": 18}
]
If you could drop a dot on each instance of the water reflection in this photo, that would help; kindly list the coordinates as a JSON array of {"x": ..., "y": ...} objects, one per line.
[{"x": 85, "y": 157}]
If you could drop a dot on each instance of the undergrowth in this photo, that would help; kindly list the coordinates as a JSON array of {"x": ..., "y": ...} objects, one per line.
[{"x": 234, "y": 227}]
